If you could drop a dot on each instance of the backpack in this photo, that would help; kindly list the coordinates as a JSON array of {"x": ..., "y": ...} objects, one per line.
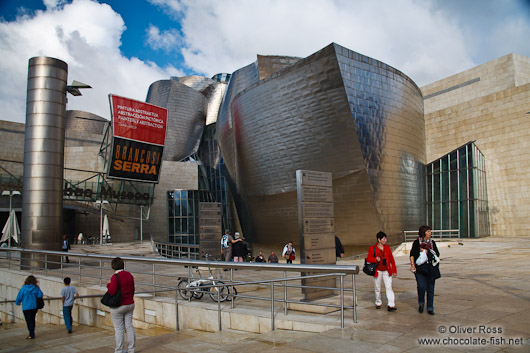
[{"x": 224, "y": 242}]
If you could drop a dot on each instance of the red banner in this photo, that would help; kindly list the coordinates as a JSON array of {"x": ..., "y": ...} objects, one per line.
[{"x": 138, "y": 121}]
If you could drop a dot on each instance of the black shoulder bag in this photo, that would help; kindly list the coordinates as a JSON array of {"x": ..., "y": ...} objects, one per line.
[
  {"x": 369, "y": 268},
  {"x": 40, "y": 303},
  {"x": 113, "y": 301}
]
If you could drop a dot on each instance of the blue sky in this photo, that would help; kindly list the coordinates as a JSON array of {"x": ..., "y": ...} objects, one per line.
[{"x": 122, "y": 46}]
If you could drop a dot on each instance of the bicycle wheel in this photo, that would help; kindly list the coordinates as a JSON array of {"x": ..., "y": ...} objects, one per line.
[
  {"x": 198, "y": 292},
  {"x": 184, "y": 290},
  {"x": 232, "y": 292},
  {"x": 219, "y": 293}
]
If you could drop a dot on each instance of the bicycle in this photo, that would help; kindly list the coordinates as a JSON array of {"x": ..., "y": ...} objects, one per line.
[{"x": 218, "y": 291}]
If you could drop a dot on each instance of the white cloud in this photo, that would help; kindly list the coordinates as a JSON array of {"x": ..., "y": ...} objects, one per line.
[
  {"x": 166, "y": 40},
  {"x": 421, "y": 38},
  {"x": 84, "y": 34}
]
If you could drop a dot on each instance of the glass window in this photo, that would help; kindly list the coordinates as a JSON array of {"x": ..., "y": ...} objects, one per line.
[{"x": 171, "y": 225}]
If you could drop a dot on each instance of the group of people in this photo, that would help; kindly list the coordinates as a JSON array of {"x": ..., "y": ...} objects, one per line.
[
  {"x": 424, "y": 259},
  {"x": 121, "y": 316},
  {"x": 234, "y": 249}
]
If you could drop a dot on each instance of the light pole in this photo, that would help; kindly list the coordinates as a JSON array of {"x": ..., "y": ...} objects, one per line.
[
  {"x": 11, "y": 193},
  {"x": 101, "y": 203},
  {"x": 141, "y": 225}
]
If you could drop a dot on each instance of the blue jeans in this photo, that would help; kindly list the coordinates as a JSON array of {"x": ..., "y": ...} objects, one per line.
[
  {"x": 67, "y": 314},
  {"x": 425, "y": 283}
]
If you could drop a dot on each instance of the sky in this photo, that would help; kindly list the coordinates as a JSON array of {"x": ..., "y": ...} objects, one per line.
[{"x": 122, "y": 46}]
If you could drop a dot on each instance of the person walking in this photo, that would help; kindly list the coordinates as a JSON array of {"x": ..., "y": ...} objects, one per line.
[
  {"x": 68, "y": 294},
  {"x": 27, "y": 295},
  {"x": 426, "y": 273},
  {"x": 122, "y": 315},
  {"x": 381, "y": 254},
  {"x": 66, "y": 246},
  {"x": 288, "y": 253}
]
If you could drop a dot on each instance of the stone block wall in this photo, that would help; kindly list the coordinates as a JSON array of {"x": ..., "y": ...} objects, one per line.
[{"x": 492, "y": 112}]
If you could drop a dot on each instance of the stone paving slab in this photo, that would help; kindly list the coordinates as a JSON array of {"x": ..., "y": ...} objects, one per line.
[{"x": 483, "y": 287}]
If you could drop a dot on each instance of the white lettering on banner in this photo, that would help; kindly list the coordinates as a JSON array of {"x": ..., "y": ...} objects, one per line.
[{"x": 130, "y": 117}]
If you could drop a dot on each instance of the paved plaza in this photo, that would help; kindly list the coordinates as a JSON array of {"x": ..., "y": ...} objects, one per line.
[{"x": 482, "y": 303}]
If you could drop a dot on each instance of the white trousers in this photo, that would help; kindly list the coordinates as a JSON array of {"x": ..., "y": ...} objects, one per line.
[
  {"x": 383, "y": 275},
  {"x": 122, "y": 319}
]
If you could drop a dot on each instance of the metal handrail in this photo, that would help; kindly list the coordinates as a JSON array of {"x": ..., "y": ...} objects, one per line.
[
  {"x": 411, "y": 235},
  {"x": 327, "y": 270}
]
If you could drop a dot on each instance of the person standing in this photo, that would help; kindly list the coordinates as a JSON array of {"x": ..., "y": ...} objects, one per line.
[
  {"x": 260, "y": 257},
  {"x": 339, "y": 249},
  {"x": 68, "y": 294},
  {"x": 424, "y": 278},
  {"x": 238, "y": 248},
  {"x": 226, "y": 245},
  {"x": 288, "y": 252},
  {"x": 66, "y": 246},
  {"x": 122, "y": 315},
  {"x": 273, "y": 259},
  {"x": 80, "y": 239},
  {"x": 386, "y": 269},
  {"x": 28, "y": 295}
]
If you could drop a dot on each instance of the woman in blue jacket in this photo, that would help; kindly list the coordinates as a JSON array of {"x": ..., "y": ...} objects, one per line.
[{"x": 28, "y": 295}]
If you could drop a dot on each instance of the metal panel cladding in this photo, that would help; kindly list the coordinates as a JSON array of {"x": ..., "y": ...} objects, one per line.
[
  {"x": 42, "y": 197},
  {"x": 186, "y": 116},
  {"x": 335, "y": 111}
]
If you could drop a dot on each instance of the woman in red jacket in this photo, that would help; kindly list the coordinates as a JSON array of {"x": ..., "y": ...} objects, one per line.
[
  {"x": 386, "y": 269},
  {"x": 122, "y": 315}
]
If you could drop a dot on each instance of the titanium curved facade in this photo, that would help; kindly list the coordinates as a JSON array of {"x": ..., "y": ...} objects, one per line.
[
  {"x": 335, "y": 111},
  {"x": 192, "y": 103},
  {"x": 186, "y": 114}
]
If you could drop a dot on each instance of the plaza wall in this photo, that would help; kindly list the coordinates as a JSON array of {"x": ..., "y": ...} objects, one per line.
[{"x": 488, "y": 104}]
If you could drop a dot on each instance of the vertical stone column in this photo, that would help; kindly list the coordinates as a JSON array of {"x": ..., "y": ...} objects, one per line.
[{"x": 42, "y": 199}]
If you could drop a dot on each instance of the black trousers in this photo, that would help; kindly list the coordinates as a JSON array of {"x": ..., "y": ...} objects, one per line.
[
  {"x": 66, "y": 250},
  {"x": 29, "y": 315}
]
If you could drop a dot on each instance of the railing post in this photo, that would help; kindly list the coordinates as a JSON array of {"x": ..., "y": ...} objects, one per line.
[
  {"x": 32, "y": 261},
  {"x": 177, "y": 309},
  {"x": 272, "y": 306},
  {"x": 100, "y": 273},
  {"x": 341, "y": 301},
  {"x": 354, "y": 300},
  {"x": 218, "y": 306},
  {"x": 154, "y": 281},
  {"x": 285, "y": 293},
  {"x": 79, "y": 268},
  {"x": 46, "y": 265}
]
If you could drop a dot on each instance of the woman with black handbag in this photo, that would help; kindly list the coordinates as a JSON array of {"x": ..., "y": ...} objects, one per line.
[
  {"x": 427, "y": 272},
  {"x": 386, "y": 269},
  {"x": 122, "y": 315},
  {"x": 28, "y": 295}
]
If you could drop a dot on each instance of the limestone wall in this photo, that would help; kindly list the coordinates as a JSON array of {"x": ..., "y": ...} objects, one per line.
[{"x": 492, "y": 112}]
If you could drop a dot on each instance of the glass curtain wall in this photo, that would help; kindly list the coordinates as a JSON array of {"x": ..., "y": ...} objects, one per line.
[
  {"x": 457, "y": 193},
  {"x": 183, "y": 205}
]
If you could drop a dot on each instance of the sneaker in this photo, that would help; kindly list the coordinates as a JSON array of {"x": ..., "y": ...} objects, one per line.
[
  {"x": 378, "y": 306},
  {"x": 69, "y": 331},
  {"x": 420, "y": 309},
  {"x": 430, "y": 312},
  {"x": 392, "y": 308}
]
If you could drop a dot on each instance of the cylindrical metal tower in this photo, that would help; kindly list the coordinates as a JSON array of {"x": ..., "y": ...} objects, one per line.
[{"x": 42, "y": 199}]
